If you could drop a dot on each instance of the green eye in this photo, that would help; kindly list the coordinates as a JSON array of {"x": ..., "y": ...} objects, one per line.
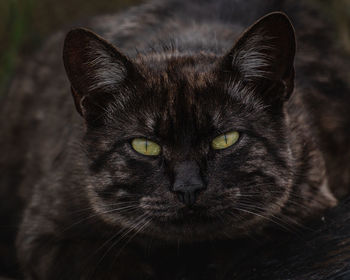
[
  {"x": 225, "y": 140},
  {"x": 145, "y": 147}
]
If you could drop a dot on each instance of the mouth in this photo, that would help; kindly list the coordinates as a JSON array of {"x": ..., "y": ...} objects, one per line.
[
  {"x": 189, "y": 219},
  {"x": 199, "y": 221},
  {"x": 189, "y": 228}
]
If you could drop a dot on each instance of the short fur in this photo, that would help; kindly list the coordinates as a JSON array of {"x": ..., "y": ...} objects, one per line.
[{"x": 183, "y": 74}]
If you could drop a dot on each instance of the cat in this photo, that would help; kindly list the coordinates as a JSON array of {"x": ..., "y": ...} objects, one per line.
[{"x": 193, "y": 136}]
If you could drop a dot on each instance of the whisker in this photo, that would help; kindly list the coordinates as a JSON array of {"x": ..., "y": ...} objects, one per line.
[
  {"x": 107, "y": 205},
  {"x": 124, "y": 232},
  {"x": 98, "y": 214},
  {"x": 263, "y": 209},
  {"x": 141, "y": 228},
  {"x": 251, "y": 211}
]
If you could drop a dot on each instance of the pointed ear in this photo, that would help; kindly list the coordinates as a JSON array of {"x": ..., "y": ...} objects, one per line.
[
  {"x": 95, "y": 68},
  {"x": 264, "y": 54}
]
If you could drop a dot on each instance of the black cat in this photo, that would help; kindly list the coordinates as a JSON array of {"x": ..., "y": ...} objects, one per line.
[{"x": 194, "y": 139}]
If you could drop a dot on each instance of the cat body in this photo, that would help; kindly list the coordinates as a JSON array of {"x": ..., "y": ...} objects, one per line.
[{"x": 95, "y": 208}]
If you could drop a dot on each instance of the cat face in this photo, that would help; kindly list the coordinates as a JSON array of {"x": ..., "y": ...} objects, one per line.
[{"x": 187, "y": 146}]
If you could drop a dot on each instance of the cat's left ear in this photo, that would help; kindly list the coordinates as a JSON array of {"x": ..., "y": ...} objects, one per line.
[{"x": 265, "y": 53}]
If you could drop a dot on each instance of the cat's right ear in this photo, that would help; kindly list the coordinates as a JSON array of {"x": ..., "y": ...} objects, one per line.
[{"x": 96, "y": 71}]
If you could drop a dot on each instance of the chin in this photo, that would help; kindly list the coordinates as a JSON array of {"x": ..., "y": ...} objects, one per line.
[{"x": 193, "y": 225}]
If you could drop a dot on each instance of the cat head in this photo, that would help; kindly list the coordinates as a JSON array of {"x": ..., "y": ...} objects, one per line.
[{"x": 187, "y": 146}]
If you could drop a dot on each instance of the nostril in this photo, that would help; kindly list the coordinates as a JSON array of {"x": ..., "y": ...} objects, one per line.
[
  {"x": 181, "y": 196},
  {"x": 188, "y": 187},
  {"x": 179, "y": 187},
  {"x": 188, "y": 194}
]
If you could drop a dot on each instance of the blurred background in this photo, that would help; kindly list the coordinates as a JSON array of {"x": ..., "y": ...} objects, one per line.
[{"x": 24, "y": 24}]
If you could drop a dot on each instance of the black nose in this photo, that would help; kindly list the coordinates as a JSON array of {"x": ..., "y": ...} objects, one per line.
[
  {"x": 188, "y": 194},
  {"x": 188, "y": 182}
]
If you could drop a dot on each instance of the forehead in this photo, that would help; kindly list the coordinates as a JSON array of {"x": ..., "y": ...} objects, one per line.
[{"x": 184, "y": 98}]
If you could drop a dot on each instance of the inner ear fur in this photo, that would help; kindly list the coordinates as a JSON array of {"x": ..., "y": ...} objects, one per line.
[
  {"x": 264, "y": 54},
  {"x": 95, "y": 69}
]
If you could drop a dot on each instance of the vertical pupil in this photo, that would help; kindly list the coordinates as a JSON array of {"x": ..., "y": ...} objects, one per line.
[
  {"x": 225, "y": 138},
  {"x": 146, "y": 144}
]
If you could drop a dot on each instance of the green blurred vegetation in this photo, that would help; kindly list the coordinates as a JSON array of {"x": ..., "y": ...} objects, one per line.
[
  {"x": 24, "y": 23},
  {"x": 14, "y": 16}
]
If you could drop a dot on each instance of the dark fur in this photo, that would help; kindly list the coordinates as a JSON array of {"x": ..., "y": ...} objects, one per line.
[{"x": 179, "y": 80}]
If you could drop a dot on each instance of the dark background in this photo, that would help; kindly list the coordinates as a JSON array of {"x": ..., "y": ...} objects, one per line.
[{"x": 24, "y": 24}]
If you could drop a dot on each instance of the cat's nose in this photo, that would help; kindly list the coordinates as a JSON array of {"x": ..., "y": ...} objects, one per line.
[
  {"x": 188, "y": 194},
  {"x": 188, "y": 182}
]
